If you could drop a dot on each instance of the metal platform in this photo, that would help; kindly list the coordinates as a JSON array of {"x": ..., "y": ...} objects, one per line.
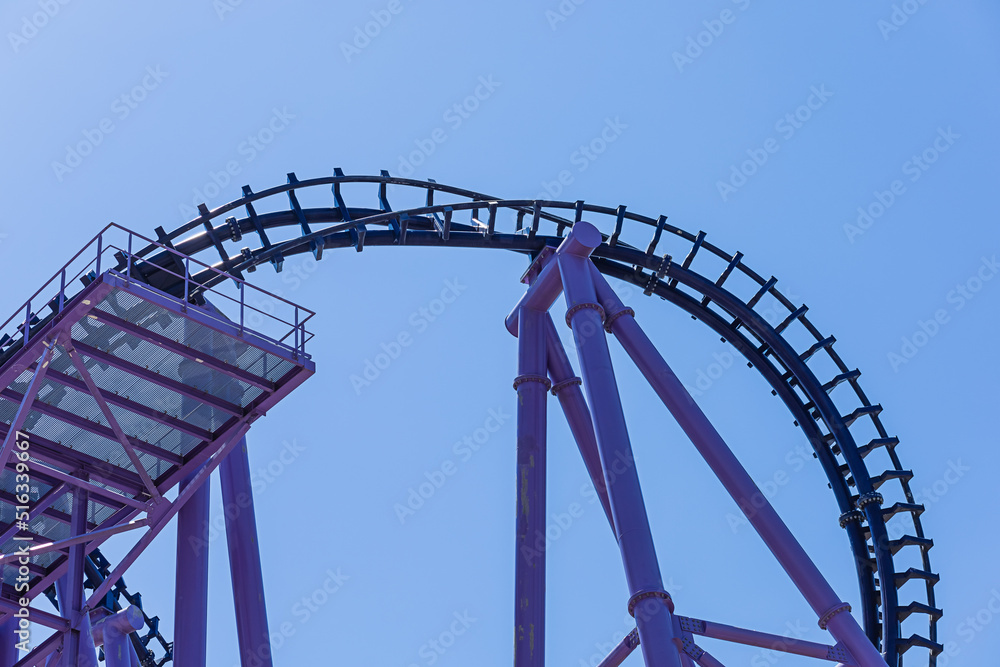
[{"x": 112, "y": 397}]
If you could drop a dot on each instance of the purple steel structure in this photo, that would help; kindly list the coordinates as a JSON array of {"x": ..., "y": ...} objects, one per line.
[
  {"x": 136, "y": 383},
  {"x": 122, "y": 391}
]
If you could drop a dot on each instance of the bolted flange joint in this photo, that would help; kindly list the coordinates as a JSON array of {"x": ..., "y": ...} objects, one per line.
[
  {"x": 868, "y": 498},
  {"x": 581, "y": 306},
  {"x": 541, "y": 379},
  {"x": 568, "y": 382},
  {"x": 643, "y": 595},
  {"x": 610, "y": 319},
  {"x": 852, "y": 516},
  {"x": 830, "y": 613}
]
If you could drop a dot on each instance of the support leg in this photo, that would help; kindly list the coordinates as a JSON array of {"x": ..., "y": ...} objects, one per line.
[
  {"x": 79, "y": 648},
  {"x": 567, "y": 389},
  {"x": 529, "y": 570},
  {"x": 649, "y": 602},
  {"x": 191, "y": 591},
  {"x": 244, "y": 559},
  {"x": 8, "y": 641},
  {"x": 832, "y": 612}
]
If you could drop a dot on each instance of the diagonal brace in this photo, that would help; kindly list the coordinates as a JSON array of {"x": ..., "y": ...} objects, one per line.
[{"x": 112, "y": 422}]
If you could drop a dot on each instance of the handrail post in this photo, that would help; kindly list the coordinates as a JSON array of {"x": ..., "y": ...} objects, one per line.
[
  {"x": 62, "y": 289},
  {"x": 128, "y": 266},
  {"x": 187, "y": 282}
]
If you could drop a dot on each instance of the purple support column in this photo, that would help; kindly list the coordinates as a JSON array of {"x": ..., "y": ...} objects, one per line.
[
  {"x": 8, "y": 641},
  {"x": 649, "y": 601},
  {"x": 831, "y": 610},
  {"x": 532, "y": 387},
  {"x": 244, "y": 559},
  {"x": 79, "y": 648},
  {"x": 566, "y": 387},
  {"x": 113, "y": 632},
  {"x": 191, "y": 591}
]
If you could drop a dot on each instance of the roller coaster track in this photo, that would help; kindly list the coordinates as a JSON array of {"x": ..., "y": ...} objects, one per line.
[{"x": 878, "y": 512}]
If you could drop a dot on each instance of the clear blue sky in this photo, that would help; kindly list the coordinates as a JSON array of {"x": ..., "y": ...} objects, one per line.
[{"x": 683, "y": 117}]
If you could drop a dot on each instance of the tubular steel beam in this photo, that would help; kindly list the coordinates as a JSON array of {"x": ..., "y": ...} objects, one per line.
[
  {"x": 8, "y": 641},
  {"x": 80, "y": 649},
  {"x": 244, "y": 559},
  {"x": 78, "y": 538},
  {"x": 532, "y": 387},
  {"x": 622, "y": 650},
  {"x": 567, "y": 388},
  {"x": 833, "y": 613},
  {"x": 26, "y": 402},
  {"x": 545, "y": 288},
  {"x": 649, "y": 602},
  {"x": 191, "y": 587}
]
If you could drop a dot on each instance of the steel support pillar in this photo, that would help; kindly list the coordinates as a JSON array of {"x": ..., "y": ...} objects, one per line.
[
  {"x": 567, "y": 388},
  {"x": 532, "y": 387},
  {"x": 244, "y": 559},
  {"x": 649, "y": 602},
  {"x": 191, "y": 589},
  {"x": 113, "y": 632},
  {"x": 8, "y": 640},
  {"x": 833, "y": 613},
  {"x": 78, "y": 650}
]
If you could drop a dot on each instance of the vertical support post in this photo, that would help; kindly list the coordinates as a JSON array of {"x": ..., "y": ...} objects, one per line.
[
  {"x": 532, "y": 387},
  {"x": 833, "y": 613},
  {"x": 8, "y": 641},
  {"x": 79, "y": 648},
  {"x": 128, "y": 265},
  {"x": 649, "y": 602},
  {"x": 187, "y": 283},
  {"x": 113, "y": 632},
  {"x": 244, "y": 559},
  {"x": 566, "y": 387},
  {"x": 191, "y": 590},
  {"x": 62, "y": 289}
]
